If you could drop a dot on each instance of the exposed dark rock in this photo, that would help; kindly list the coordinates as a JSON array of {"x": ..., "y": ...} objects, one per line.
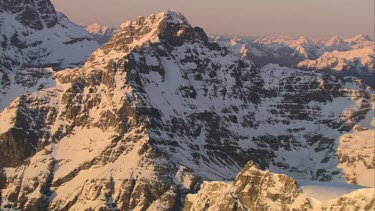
[{"x": 15, "y": 147}]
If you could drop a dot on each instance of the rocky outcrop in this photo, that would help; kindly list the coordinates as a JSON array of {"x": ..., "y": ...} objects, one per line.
[
  {"x": 254, "y": 189},
  {"x": 358, "y": 200}
]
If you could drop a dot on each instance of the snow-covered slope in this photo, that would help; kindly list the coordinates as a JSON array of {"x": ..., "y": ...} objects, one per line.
[
  {"x": 33, "y": 35},
  {"x": 101, "y": 33},
  {"x": 356, "y": 152},
  {"x": 157, "y": 110},
  {"x": 23, "y": 81}
]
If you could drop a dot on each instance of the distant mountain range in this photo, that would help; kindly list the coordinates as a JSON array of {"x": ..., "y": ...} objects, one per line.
[{"x": 349, "y": 57}]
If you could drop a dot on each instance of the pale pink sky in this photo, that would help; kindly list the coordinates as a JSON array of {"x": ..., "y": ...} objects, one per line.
[{"x": 314, "y": 18}]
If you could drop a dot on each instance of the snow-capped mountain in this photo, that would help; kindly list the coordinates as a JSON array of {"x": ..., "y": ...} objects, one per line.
[
  {"x": 360, "y": 41},
  {"x": 101, "y": 33},
  {"x": 159, "y": 109},
  {"x": 358, "y": 62},
  {"x": 336, "y": 43},
  {"x": 33, "y": 35},
  {"x": 350, "y": 57}
]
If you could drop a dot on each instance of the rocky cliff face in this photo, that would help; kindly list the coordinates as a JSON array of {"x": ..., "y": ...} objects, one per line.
[{"x": 157, "y": 110}]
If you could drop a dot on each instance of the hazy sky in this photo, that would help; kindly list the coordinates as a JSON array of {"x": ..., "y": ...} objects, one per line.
[{"x": 315, "y": 18}]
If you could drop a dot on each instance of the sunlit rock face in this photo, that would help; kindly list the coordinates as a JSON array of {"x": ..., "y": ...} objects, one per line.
[
  {"x": 254, "y": 189},
  {"x": 159, "y": 109}
]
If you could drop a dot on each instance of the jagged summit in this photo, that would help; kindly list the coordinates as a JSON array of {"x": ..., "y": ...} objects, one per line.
[
  {"x": 169, "y": 16},
  {"x": 335, "y": 40},
  {"x": 336, "y": 43},
  {"x": 361, "y": 37},
  {"x": 361, "y": 41},
  {"x": 303, "y": 40},
  {"x": 169, "y": 28}
]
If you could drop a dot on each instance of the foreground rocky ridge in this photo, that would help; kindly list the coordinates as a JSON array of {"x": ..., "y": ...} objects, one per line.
[
  {"x": 254, "y": 189},
  {"x": 159, "y": 109}
]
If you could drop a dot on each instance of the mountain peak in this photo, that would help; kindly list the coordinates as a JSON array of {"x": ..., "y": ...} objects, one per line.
[
  {"x": 335, "y": 40},
  {"x": 169, "y": 16},
  {"x": 153, "y": 27},
  {"x": 304, "y": 40},
  {"x": 175, "y": 17},
  {"x": 359, "y": 38},
  {"x": 362, "y": 37},
  {"x": 97, "y": 28},
  {"x": 170, "y": 28}
]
